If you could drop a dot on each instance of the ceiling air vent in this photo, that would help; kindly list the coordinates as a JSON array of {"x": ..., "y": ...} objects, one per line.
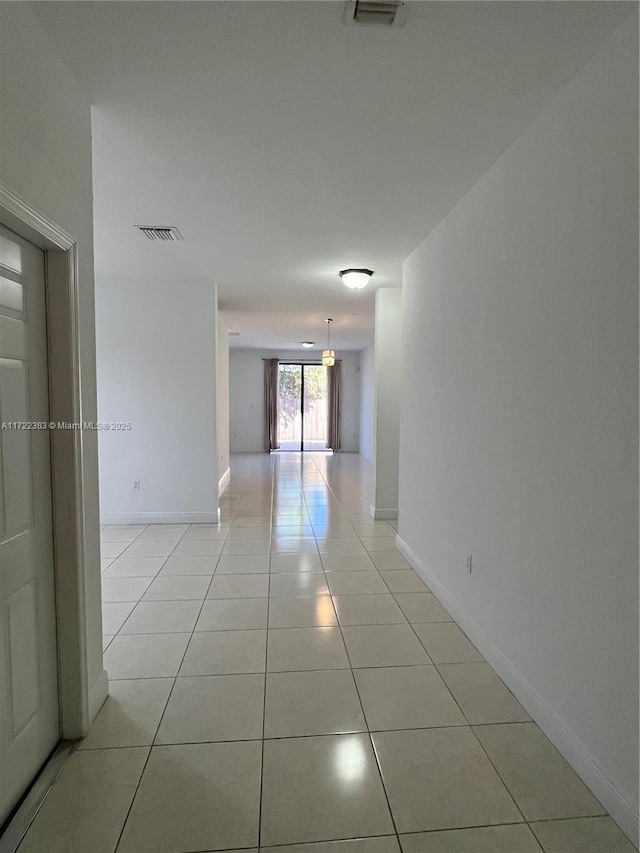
[
  {"x": 166, "y": 234},
  {"x": 375, "y": 12}
]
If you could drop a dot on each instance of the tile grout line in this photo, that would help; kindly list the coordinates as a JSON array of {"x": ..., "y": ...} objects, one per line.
[
  {"x": 368, "y": 732},
  {"x": 266, "y": 659},
  {"x": 117, "y": 633}
]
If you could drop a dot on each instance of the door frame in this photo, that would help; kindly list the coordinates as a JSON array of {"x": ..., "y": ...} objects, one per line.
[
  {"x": 301, "y": 365},
  {"x": 302, "y": 407},
  {"x": 67, "y": 472}
]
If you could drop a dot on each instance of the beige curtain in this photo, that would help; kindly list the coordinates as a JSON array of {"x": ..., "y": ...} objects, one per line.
[
  {"x": 333, "y": 432},
  {"x": 271, "y": 404}
]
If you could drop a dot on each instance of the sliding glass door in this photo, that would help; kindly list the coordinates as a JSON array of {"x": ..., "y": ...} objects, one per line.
[
  {"x": 290, "y": 406},
  {"x": 302, "y": 407}
]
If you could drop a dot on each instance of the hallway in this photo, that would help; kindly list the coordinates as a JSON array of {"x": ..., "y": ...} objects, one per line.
[{"x": 285, "y": 678}]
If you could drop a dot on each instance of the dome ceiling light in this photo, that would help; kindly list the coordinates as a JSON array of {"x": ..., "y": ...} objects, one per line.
[
  {"x": 356, "y": 279},
  {"x": 307, "y": 344}
]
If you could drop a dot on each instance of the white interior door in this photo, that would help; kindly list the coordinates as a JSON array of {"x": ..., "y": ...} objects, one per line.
[{"x": 29, "y": 725}]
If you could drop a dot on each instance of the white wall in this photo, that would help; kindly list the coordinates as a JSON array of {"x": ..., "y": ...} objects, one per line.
[
  {"x": 350, "y": 408},
  {"x": 367, "y": 403},
  {"x": 157, "y": 370},
  {"x": 246, "y": 391},
  {"x": 388, "y": 374},
  {"x": 519, "y": 429},
  {"x": 45, "y": 158},
  {"x": 246, "y": 395},
  {"x": 222, "y": 396}
]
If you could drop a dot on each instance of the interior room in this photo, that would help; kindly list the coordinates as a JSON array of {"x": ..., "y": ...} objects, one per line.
[{"x": 319, "y": 407}]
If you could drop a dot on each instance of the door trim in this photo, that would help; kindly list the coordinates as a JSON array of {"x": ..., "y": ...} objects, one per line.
[
  {"x": 301, "y": 408},
  {"x": 65, "y": 400}
]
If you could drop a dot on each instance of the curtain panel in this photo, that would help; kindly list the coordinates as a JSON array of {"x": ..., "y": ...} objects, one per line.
[
  {"x": 271, "y": 404},
  {"x": 333, "y": 432}
]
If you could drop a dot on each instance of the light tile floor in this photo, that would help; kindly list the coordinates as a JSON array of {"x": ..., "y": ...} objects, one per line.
[{"x": 284, "y": 681}]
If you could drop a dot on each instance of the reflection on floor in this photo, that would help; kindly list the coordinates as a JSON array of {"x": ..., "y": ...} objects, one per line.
[
  {"x": 308, "y": 446},
  {"x": 285, "y": 678}
]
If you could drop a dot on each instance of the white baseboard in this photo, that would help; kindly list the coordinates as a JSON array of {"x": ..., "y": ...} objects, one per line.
[
  {"x": 622, "y": 808},
  {"x": 224, "y": 481},
  {"x": 160, "y": 518},
  {"x": 379, "y": 514},
  {"x": 98, "y": 693}
]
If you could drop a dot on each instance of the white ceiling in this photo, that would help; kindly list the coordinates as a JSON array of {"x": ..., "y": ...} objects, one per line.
[{"x": 285, "y": 145}]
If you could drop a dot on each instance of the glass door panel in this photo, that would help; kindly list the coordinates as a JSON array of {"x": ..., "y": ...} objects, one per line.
[
  {"x": 314, "y": 406},
  {"x": 290, "y": 406}
]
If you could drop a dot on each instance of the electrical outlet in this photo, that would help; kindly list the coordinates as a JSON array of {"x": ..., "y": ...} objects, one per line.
[
  {"x": 136, "y": 485},
  {"x": 469, "y": 563}
]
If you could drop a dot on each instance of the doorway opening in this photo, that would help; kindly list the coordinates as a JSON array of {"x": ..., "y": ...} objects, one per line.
[{"x": 303, "y": 408}]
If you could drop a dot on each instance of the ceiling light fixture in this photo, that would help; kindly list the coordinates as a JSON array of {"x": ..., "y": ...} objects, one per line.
[
  {"x": 356, "y": 279},
  {"x": 329, "y": 355},
  {"x": 308, "y": 344}
]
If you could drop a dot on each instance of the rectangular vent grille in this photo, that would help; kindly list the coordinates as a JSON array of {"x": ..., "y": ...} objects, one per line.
[
  {"x": 166, "y": 234},
  {"x": 375, "y": 13}
]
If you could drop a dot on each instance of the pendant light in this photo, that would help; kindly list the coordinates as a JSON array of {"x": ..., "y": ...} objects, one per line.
[{"x": 329, "y": 355}]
